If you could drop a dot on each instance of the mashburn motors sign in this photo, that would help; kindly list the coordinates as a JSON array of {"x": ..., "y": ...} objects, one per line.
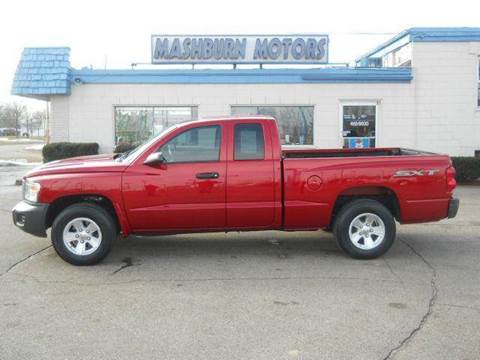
[{"x": 240, "y": 49}]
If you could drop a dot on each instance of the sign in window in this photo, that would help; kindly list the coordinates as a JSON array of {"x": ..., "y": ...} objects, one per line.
[
  {"x": 295, "y": 123},
  {"x": 136, "y": 124},
  {"x": 359, "y": 122}
]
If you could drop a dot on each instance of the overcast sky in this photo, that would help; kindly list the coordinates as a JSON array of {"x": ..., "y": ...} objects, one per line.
[{"x": 119, "y": 31}]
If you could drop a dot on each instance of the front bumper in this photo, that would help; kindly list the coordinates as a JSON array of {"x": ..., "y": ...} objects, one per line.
[
  {"x": 30, "y": 218},
  {"x": 453, "y": 206}
]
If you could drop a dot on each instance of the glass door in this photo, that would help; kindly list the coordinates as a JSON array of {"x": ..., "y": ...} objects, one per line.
[{"x": 359, "y": 125}]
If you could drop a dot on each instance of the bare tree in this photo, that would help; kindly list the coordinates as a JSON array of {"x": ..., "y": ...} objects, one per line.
[
  {"x": 12, "y": 115},
  {"x": 5, "y": 119}
]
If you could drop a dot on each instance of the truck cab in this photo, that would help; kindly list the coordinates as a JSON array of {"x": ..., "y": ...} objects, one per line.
[{"x": 210, "y": 175}]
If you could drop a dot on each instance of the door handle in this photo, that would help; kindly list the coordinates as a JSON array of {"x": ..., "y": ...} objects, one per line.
[{"x": 208, "y": 175}]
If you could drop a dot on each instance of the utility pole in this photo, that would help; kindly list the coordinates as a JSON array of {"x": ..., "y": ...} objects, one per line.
[{"x": 46, "y": 133}]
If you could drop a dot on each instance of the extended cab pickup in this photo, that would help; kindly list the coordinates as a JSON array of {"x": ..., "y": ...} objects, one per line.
[{"x": 232, "y": 174}]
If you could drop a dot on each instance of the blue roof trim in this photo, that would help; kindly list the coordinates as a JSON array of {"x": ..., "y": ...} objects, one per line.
[
  {"x": 242, "y": 76},
  {"x": 460, "y": 34},
  {"x": 427, "y": 34},
  {"x": 42, "y": 72}
]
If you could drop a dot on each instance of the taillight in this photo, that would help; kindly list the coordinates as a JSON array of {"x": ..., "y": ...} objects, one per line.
[{"x": 451, "y": 182}]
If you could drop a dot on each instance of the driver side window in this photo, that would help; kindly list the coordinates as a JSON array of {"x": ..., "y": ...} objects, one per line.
[{"x": 194, "y": 145}]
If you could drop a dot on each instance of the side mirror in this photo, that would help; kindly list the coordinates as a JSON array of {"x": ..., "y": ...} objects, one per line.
[{"x": 155, "y": 158}]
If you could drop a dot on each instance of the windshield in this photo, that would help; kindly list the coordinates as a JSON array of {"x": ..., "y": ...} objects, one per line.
[{"x": 133, "y": 154}]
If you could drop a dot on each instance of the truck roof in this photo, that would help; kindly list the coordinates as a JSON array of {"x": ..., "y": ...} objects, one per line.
[{"x": 229, "y": 118}]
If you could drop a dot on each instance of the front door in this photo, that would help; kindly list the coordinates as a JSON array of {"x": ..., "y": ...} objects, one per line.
[{"x": 187, "y": 192}]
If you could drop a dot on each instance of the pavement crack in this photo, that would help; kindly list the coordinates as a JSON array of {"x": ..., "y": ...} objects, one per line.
[
  {"x": 392, "y": 271},
  {"x": 127, "y": 262},
  {"x": 431, "y": 303},
  {"x": 24, "y": 259}
]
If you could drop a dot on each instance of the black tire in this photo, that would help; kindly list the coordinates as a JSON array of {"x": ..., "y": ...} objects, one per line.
[
  {"x": 349, "y": 213},
  {"x": 100, "y": 217}
]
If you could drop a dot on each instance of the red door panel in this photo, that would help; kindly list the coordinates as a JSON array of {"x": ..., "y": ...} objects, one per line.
[
  {"x": 251, "y": 186},
  {"x": 178, "y": 195},
  {"x": 173, "y": 198},
  {"x": 250, "y": 194}
]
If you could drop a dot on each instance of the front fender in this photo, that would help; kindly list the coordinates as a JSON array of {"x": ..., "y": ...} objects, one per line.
[{"x": 107, "y": 185}]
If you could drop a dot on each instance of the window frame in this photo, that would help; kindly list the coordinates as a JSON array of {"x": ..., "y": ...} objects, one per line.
[
  {"x": 194, "y": 114},
  {"x": 235, "y": 143},
  {"x": 478, "y": 84},
  {"x": 343, "y": 103},
  {"x": 195, "y": 161},
  {"x": 287, "y": 146}
]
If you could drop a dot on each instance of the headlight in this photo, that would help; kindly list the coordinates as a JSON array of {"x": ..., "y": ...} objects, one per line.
[{"x": 31, "y": 190}]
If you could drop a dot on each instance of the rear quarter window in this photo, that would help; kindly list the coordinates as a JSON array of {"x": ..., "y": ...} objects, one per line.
[{"x": 249, "y": 142}]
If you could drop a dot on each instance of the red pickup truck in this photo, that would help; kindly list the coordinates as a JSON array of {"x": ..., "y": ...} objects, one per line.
[{"x": 232, "y": 175}]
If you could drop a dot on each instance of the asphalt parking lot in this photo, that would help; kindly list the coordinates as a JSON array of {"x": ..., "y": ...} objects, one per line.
[{"x": 232, "y": 296}]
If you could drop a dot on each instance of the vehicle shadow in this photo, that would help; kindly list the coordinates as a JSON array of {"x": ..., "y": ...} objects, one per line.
[
  {"x": 258, "y": 247},
  {"x": 232, "y": 245}
]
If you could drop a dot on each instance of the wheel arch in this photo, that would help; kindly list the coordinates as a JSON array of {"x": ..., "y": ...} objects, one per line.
[
  {"x": 382, "y": 194},
  {"x": 61, "y": 203}
]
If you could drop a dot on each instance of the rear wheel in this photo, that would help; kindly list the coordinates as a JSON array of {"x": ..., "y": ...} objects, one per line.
[
  {"x": 364, "y": 229},
  {"x": 83, "y": 234}
]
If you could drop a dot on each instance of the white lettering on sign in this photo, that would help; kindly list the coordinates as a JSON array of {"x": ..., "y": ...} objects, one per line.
[{"x": 359, "y": 123}]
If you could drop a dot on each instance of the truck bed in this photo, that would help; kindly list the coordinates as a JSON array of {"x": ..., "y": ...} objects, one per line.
[
  {"x": 327, "y": 153},
  {"x": 315, "y": 179}
]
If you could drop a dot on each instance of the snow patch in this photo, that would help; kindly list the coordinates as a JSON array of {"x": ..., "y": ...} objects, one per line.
[
  {"x": 17, "y": 162},
  {"x": 35, "y": 147}
]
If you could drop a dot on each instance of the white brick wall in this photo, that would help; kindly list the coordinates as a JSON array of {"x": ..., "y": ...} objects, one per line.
[
  {"x": 446, "y": 78},
  {"x": 91, "y": 118},
  {"x": 436, "y": 111},
  {"x": 59, "y": 119}
]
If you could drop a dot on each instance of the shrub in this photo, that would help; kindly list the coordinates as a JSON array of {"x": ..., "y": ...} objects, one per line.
[
  {"x": 468, "y": 168},
  {"x": 63, "y": 150},
  {"x": 124, "y": 147}
]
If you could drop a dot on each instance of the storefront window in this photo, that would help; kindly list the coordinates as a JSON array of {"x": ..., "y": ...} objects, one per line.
[
  {"x": 401, "y": 57},
  {"x": 478, "y": 93},
  {"x": 137, "y": 124},
  {"x": 359, "y": 126},
  {"x": 295, "y": 123},
  {"x": 478, "y": 96}
]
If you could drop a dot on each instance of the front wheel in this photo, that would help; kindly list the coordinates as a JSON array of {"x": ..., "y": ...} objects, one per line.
[
  {"x": 364, "y": 229},
  {"x": 83, "y": 234}
]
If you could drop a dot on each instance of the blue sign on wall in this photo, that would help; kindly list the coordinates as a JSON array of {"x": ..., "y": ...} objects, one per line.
[
  {"x": 238, "y": 49},
  {"x": 358, "y": 143}
]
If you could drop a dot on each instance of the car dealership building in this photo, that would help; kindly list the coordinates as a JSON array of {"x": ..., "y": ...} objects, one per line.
[{"x": 418, "y": 90}]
